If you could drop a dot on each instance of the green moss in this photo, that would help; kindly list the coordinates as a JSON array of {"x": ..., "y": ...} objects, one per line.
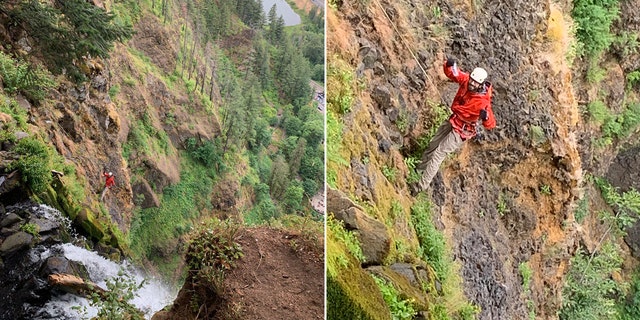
[
  {"x": 351, "y": 292},
  {"x": 90, "y": 224}
]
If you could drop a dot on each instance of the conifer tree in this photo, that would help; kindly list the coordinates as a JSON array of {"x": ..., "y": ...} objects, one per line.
[{"x": 66, "y": 32}]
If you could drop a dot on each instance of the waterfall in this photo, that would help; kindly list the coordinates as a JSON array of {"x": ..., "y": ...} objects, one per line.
[{"x": 152, "y": 297}]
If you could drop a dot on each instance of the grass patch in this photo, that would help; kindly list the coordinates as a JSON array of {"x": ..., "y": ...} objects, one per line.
[{"x": 433, "y": 248}]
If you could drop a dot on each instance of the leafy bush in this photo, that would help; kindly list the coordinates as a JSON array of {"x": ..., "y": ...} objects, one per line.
[
  {"x": 400, "y": 309},
  {"x": 34, "y": 163},
  {"x": 208, "y": 153},
  {"x": 594, "y": 19},
  {"x": 31, "y": 228},
  {"x": 630, "y": 306},
  {"x": 340, "y": 93},
  {"x": 19, "y": 76},
  {"x": 213, "y": 251},
  {"x": 589, "y": 291},
  {"x": 348, "y": 238},
  {"x": 432, "y": 243},
  {"x": 114, "y": 303}
]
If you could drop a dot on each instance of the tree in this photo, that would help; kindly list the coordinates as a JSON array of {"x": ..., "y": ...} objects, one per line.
[
  {"x": 292, "y": 199},
  {"x": 296, "y": 157},
  {"x": 66, "y": 32},
  {"x": 279, "y": 178},
  {"x": 313, "y": 131}
]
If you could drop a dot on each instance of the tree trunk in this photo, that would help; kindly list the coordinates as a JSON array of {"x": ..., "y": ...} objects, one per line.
[{"x": 75, "y": 285}]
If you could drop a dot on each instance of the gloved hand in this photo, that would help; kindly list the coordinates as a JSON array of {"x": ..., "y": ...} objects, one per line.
[
  {"x": 450, "y": 62},
  {"x": 483, "y": 115}
]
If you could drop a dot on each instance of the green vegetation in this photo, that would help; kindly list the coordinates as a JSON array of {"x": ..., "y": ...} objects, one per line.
[
  {"x": 34, "y": 162},
  {"x": 537, "y": 135},
  {"x": 410, "y": 162},
  {"x": 619, "y": 126},
  {"x": 625, "y": 205},
  {"x": 502, "y": 206},
  {"x": 594, "y": 19},
  {"x": 389, "y": 173},
  {"x": 582, "y": 211},
  {"x": 401, "y": 309},
  {"x": 590, "y": 292},
  {"x": 433, "y": 247},
  {"x": 212, "y": 252},
  {"x": 31, "y": 228},
  {"x": 629, "y": 307},
  {"x": 18, "y": 76},
  {"x": 335, "y": 159},
  {"x": 440, "y": 113},
  {"x": 345, "y": 237},
  {"x": 526, "y": 273},
  {"x": 115, "y": 302},
  {"x": 340, "y": 93},
  {"x": 154, "y": 231},
  {"x": 545, "y": 189},
  {"x": 67, "y": 31}
]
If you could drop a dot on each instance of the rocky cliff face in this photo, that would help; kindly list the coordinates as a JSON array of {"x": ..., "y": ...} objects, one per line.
[{"x": 506, "y": 200}]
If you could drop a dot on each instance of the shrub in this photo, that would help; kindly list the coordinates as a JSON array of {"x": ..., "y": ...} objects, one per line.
[
  {"x": 213, "y": 251},
  {"x": 346, "y": 237},
  {"x": 589, "y": 291},
  {"x": 400, "y": 308},
  {"x": 34, "y": 163},
  {"x": 340, "y": 91},
  {"x": 19, "y": 76},
  {"x": 594, "y": 19},
  {"x": 432, "y": 243},
  {"x": 114, "y": 303},
  {"x": 31, "y": 228}
]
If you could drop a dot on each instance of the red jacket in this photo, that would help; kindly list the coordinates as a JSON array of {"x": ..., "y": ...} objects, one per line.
[
  {"x": 110, "y": 181},
  {"x": 467, "y": 104}
]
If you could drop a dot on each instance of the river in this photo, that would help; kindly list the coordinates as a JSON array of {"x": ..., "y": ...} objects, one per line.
[{"x": 291, "y": 18}]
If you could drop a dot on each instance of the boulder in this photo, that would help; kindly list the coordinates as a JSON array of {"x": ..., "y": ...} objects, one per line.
[
  {"x": 9, "y": 219},
  {"x": 144, "y": 195},
  {"x": 372, "y": 234},
  {"x": 15, "y": 242}
]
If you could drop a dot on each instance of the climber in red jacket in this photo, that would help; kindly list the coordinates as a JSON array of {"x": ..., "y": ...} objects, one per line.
[
  {"x": 110, "y": 181},
  {"x": 471, "y": 104}
]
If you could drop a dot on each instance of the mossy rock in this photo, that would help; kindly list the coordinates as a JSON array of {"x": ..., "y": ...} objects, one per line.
[
  {"x": 58, "y": 196},
  {"x": 90, "y": 224},
  {"x": 405, "y": 286},
  {"x": 351, "y": 291}
]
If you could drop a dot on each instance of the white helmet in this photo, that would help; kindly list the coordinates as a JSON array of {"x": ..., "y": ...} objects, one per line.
[
  {"x": 479, "y": 75},
  {"x": 110, "y": 174}
]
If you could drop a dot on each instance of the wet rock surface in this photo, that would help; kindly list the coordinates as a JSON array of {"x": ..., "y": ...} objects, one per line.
[{"x": 24, "y": 271}]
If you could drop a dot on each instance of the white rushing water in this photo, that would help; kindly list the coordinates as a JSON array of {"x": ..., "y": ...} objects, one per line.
[{"x": 152, "y": 297}]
